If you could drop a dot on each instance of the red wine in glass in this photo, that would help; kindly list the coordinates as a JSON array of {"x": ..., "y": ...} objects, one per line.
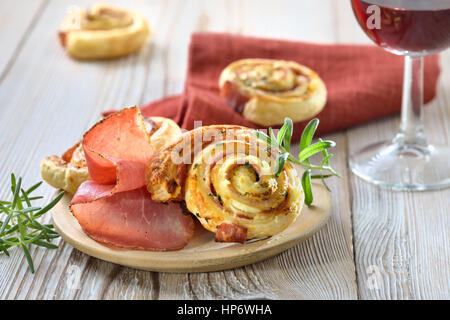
[{"x": 415, "y": 27}]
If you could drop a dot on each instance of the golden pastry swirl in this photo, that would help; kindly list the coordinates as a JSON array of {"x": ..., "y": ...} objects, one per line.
[
  {"x": 102, "y": 32},
  {"x": 70, "y": 170},
  {"x": 267, "y": 91},
  {"x": 227, "y": 180}
]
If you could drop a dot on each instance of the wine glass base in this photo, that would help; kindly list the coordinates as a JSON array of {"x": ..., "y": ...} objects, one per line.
[{"x": 400, "y": 166}]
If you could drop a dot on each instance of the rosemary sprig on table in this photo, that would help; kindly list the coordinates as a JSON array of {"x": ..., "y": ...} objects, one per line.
[
  {"x": 18, "y": 221},
  {"x": 307, "y": 149}
]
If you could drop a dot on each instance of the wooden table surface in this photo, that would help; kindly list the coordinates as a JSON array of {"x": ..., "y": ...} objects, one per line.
[{"x": 377, "y": 245}]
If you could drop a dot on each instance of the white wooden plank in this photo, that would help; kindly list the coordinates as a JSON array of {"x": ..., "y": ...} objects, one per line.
[
  {"x": 401, "y": 238},
  {"x": 17, "y": 20}
]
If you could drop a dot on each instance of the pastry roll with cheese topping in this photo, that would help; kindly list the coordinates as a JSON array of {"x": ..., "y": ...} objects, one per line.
[
  {"x": 70, "y": 170},
  {"x": 103, "y": 32},
  {"x": 227, "y": 178},
  {"x": 267, "y": 91}
]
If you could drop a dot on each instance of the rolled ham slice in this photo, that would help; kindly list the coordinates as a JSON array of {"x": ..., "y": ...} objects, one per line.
[
  {"x": 115, "y": 207},
  {"x": 117, "y": 150}
]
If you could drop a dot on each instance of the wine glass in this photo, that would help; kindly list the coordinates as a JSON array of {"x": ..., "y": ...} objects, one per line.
[{"x": 414, "y": 29}]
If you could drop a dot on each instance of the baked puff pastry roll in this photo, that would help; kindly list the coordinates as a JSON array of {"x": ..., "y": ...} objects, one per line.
[
  {"x": 102, "y": 32},
  {"x": 67, "y": 172},
  {"x": 267, "y": 91},
  {"x": 227, "y": 178},
  {"x": 70, "y": 170}
]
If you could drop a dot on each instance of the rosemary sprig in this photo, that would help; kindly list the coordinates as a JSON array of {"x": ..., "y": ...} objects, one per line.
[
  {"x": 18, "y": 221},
  {"x": 282, "y": 142}
]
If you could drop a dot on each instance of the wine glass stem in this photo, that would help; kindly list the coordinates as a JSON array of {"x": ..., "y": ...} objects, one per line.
[{"x": 411, "y": 123}]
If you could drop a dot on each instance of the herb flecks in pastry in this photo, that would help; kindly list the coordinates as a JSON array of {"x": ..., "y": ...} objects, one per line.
[{"x": 267, "y": 91}]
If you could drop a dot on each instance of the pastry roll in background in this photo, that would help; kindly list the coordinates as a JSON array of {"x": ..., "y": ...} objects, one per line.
[
  {"x": 103, "y": 32},
  {"x": 267, "y": 91}
]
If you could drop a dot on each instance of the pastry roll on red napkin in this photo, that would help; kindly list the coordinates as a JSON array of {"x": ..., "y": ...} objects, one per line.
[{"x": 363, "y": 81}]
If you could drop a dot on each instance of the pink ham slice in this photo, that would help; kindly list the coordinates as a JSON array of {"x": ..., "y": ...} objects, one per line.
[
  {"x": 117, "y": 150},
  {"x": 115, "y": 207},
  {"x": 131, "y": 219}
]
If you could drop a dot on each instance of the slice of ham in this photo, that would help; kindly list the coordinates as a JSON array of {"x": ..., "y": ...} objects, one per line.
[
  {"x": 227, "y": 232},
  {"x": 117, "y": 150},
  {"x": 114, "y": 207},
  {"x": 131, "y": 219}
]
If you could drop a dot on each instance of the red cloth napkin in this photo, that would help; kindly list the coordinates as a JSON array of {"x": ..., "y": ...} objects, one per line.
[{"x": 364, "y": 82}]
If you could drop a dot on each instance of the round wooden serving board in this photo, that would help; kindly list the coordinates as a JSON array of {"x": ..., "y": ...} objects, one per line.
[{"x": 202, "y": 253}]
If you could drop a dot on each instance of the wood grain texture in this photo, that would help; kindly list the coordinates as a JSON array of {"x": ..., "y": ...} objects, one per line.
[
  {"x": 48, "y": 100},
  {"x": 17, "y": 21},
  {"x": 402, "y": 240}
]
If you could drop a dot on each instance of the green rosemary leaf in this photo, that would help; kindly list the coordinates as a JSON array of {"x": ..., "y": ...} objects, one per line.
[
  {"x": 19, "y": 227},
  {"x": 28, "y": 240},
  {"x": 29, "y": 209},
  {"x": 2, "y": 207},
  {"x": 51, "y": 236},
  {"x": 46, "y": 244},
  {"x": 326, "y": 156},
  {"x": 25, "y": 197},
  {"x": 319, "y": 176},
  {"x": 288, "y": 135},
  {"x": 11, "y": 240},
  {"x": 306, "y": 185},
  {"x": 34, "y": 187},
  {"x": 262, "y": 136},
  {"x": 5, "y": 223},
  {"x": 281, "y": 134},
  {"x": 272, "y": 135},
  {"x": 49, "y": 225},
  {"x": 314, "y": 148},
  {"x": 22, "y": 228},
  {"x": 9, "y": 230},
  {"x": 4, "y": 250},
  {"x": 28, "y": 256},
  {"x": 36, "y": 198},
  {"x": 16, "y": 198},
  {"x": 13, "y": 182},
  {"x": 50, "y": 205},
  {"x": 285, "y": 134},
  {"x": 326, "y": 159},
  {"x": 308, "y": 133},
  {"x": 281, "y": 160},
  {"x": 36, "y": 225}
]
